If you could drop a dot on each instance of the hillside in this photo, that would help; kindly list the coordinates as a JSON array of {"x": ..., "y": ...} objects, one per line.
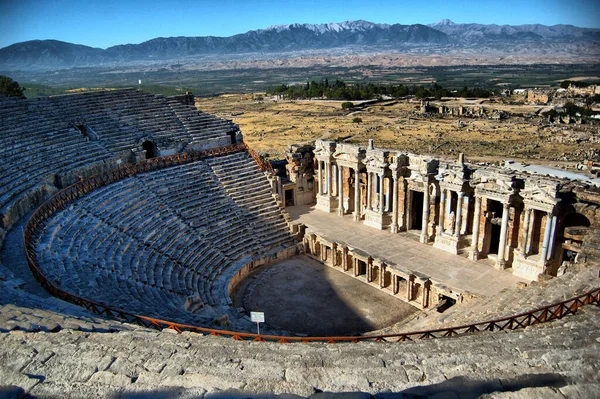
[{"x": 352, "y": 36}]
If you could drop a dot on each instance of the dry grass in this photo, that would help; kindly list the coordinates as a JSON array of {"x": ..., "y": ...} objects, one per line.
[{"x": 270, "y": 127}]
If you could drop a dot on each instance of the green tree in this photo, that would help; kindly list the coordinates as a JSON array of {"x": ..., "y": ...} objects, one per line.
[
  {"x": 10, "y": 88},
  {"x": 571, "y": 109},
  {"x": 347, "y": 104},
  {"x": 421, "y": 92},
  {"x": 565, "y": 84}
]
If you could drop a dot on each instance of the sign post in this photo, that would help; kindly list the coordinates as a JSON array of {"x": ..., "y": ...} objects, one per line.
[{"x": 257, "y": 317}]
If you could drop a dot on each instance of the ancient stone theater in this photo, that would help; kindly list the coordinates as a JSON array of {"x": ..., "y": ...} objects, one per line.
[{"x": 129, "y": 220}]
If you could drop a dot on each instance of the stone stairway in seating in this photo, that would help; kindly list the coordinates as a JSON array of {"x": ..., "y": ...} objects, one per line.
[
  {"x": 200, "y": 126},
  {"x": 147, "y": 243},
  {"x": 244, "y": 183}
]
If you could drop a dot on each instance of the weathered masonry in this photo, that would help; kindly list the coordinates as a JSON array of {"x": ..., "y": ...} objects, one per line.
[
  {"x": 410, "y": 286},
  {"x": 533, "y": 224}
]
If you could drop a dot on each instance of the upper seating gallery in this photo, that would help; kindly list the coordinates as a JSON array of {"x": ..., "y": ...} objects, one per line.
[{"x": 48, "y": 143}]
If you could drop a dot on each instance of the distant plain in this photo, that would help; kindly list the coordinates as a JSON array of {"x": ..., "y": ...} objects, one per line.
[{"x": 242, "y": 78}]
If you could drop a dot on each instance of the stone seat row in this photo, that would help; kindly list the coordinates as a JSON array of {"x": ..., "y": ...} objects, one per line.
[
  {"x": 119, "y": 118},
  {"x": 109, "y": 212},
  {"x": 131, "y": 259},
  {"x": 96, "y": 278},
  {"x": 162, "y": 279},
  {"x": 30, "y": 172},
  {"x": 205, "y": 206},
  {"x": 145, "y": 229}
]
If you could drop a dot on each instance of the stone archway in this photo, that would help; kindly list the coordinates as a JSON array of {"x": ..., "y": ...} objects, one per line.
[{"x": 150, "y": 148}]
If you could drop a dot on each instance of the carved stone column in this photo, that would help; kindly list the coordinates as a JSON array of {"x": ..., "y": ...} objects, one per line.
[
  {"x": 449, "y": 206},
  {"x": 442, "y": 211},
  {"x": 531, "y": 225},
  {"x": 320, "y": 176},
  {"x": 388, "y": 197},
  {"x": 458, "y": 221},
  {"x": 356, "y": 195},
  {"x": 425, "y": 222},
  {"x": 369, "y": 189},
  {"x": 328, "y": 177},
  {"x": 476, "y": 222},
  {"x": 548, "y": 238},
  {"x": 525, "y": 232},
  {"x": 552, "y": 237},
  {"x": 334, "y": 180},
  {"x": 402, "y": 212},
  {"x": 381, "y": 192},
  {"x": 394, "y": 227},
  {"x": 503, "y": 231},
  {"x": 340, "y": 190}
]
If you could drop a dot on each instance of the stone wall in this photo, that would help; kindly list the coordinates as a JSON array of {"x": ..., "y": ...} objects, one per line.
[{"x": 538, "y": 96}]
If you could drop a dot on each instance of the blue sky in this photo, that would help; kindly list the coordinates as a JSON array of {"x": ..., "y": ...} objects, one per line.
[{"x": 109, "y": 22}]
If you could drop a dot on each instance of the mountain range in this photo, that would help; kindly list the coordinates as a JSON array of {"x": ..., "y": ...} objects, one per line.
[{"x": 53, "y": 54}]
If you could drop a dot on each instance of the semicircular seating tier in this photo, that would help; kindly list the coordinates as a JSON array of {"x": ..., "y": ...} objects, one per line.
[
  {"x": 49, "y": 143},
  {"x": 149, "y": 242}
]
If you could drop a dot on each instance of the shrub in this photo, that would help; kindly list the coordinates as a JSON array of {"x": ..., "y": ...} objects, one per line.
[
  {"x": 347, "y": 104},
  {"x": 357, "y": 120},
  {"x": 10, "y": 88}
]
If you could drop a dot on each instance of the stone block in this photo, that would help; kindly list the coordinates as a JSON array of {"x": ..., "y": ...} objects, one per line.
[
  {"x": 326, "y": 203},
  {"x": 11, "y": 377},
  {"x": 108, "y": 378}
]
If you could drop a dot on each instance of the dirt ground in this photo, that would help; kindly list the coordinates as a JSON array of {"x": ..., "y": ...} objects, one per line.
[
  {"x": 303, "y": 296},
  {"x": 271, "y": 126}
]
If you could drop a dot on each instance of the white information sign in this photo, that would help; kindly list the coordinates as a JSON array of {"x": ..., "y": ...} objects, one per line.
[{"x": 257, "y": 317}]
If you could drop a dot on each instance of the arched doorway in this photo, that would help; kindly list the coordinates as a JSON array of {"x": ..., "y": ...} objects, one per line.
[{"x": 150, "y": 149}]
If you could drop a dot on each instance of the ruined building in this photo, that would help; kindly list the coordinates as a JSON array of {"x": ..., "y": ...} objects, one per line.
[{"x": 535, "y": 225}]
